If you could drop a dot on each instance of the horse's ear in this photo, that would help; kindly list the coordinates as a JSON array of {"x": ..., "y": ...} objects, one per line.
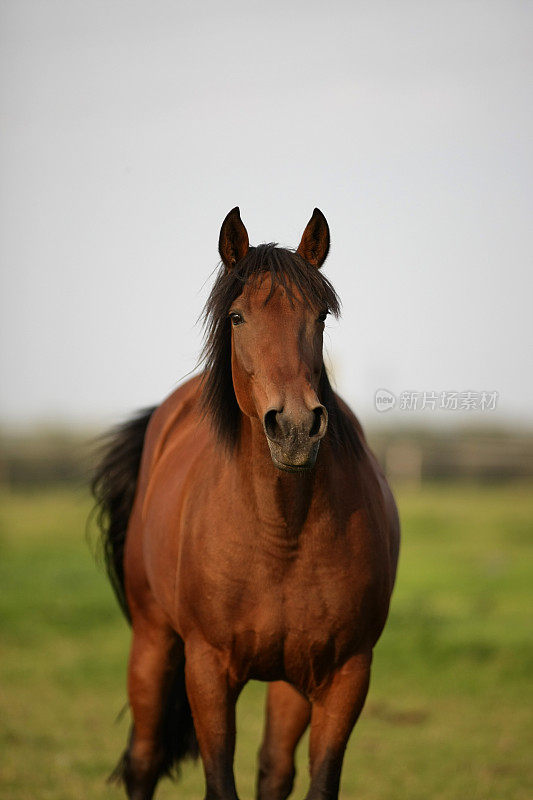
[
  {"x": 233, "y": 242},
  {"x": 314, "y": 246}
]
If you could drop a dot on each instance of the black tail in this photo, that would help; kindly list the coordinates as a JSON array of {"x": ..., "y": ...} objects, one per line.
[{"x": 113, "y": 488}]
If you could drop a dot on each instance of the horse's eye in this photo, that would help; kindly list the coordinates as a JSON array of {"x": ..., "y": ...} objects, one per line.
[
  {"x": 236, "y": 319},
  {"x": 322, "y": 316}
]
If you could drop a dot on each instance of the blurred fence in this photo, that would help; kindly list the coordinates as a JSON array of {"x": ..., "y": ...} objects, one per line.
[
  {"x": 46, "y": 458},
  {"x": 64, "y": 457},
  {"x": 457, "y": 454}
]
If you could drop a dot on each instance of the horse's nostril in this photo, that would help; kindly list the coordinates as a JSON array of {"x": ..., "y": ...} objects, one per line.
[
  {"x": 280, "y": 427},
  {"x": 271, "y": 424},
  {"x": 318, "y": 421}
]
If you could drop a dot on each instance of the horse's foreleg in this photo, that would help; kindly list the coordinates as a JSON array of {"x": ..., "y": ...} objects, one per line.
[
  {"x": 213, "y": 695},
  {"x": 151, "y": 668},
  {"x": 287, "y": 716},
  {"x": 335, "y": 711}
]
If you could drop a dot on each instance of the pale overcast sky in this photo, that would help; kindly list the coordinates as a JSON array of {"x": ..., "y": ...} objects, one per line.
[{"x": 129, "y": 129}]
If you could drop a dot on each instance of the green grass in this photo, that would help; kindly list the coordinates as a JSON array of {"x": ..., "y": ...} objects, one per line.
[{"x": 448, "y": 714}]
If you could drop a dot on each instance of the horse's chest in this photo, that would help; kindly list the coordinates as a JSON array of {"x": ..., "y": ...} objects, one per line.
[{"x": 298, "y": 626}]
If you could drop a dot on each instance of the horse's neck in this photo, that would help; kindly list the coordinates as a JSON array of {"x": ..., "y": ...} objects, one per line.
[{"x": 281, "y": 499}]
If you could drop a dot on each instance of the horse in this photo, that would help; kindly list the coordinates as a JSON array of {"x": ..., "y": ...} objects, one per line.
[{"x": 249, "y": 533}]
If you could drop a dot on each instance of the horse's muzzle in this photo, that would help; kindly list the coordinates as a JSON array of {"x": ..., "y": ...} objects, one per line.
[{"x": 294, "y": 440}]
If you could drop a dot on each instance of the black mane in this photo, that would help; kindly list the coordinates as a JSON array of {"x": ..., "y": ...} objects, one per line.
[{"x": 292, "y": 272}]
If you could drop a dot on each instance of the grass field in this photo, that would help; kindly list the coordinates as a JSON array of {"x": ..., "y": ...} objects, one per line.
[{"x": 449, "y": 710}]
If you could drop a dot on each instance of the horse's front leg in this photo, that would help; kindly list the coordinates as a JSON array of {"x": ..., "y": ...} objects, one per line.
[
  {"x": 335, "y": 711},
  {"x": 212, "y": 695}
]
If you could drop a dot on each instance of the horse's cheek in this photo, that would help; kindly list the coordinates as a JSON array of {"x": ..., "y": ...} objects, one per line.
[{"x": 242, "y": 381}]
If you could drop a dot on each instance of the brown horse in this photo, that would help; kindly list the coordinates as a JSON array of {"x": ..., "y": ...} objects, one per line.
[{"x": 250, "y": 534}]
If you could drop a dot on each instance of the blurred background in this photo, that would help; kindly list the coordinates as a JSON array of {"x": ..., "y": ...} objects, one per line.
[{"x": 129, "y": 129}]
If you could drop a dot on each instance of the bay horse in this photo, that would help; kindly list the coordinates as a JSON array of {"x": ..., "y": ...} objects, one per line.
[{"x": 249, "y": 534}]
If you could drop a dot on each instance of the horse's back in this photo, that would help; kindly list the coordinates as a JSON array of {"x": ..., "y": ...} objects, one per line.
[{"x": 178, "y": 416}]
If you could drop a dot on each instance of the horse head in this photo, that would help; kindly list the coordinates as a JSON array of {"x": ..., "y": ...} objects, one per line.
[{"x": 277, "y": 324}]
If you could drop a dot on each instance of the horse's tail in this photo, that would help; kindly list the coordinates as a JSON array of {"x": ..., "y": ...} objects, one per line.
[
  {"x": 113, "y": 488},
  {"x": 179, "y": 734}
]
